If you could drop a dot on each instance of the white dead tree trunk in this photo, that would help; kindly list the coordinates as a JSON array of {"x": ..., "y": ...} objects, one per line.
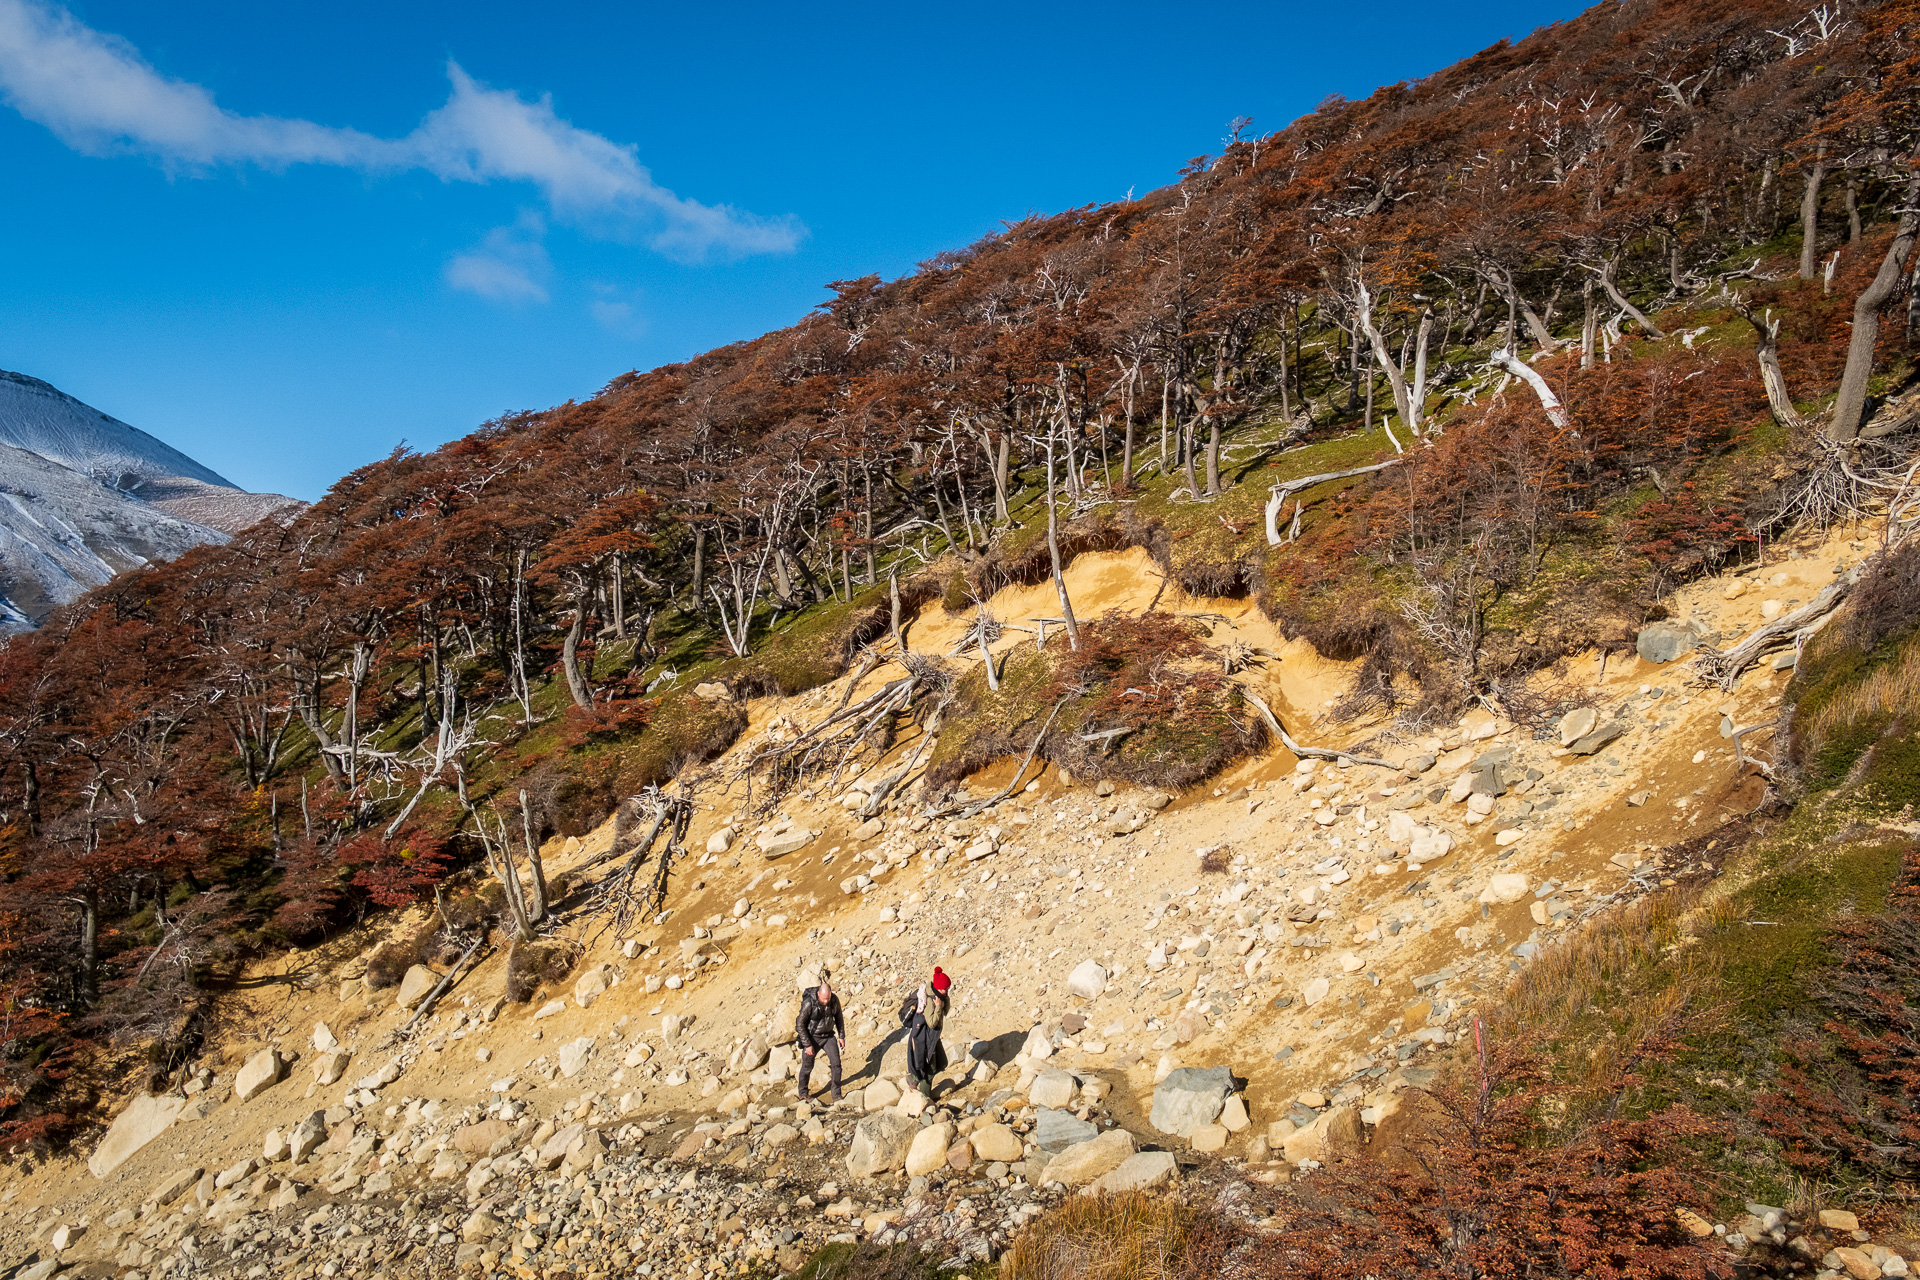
[{"x": 1513, "y": 364}]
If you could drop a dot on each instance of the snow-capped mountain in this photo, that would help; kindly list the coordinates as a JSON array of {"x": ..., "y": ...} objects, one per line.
[{"x": 84, "y": 496}]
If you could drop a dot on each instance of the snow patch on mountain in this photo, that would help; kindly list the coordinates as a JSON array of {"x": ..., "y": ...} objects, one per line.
[
  {"x": 62, "y": 532},
  {"x": 85, "y": 496}
]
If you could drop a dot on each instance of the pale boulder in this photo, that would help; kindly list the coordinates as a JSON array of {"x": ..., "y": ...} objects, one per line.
[
  {"x": 996, "y": 1142},
  {"x": 145, "y": 1119},
  {"x": 880, "y": 1144},
  {"x": 261, "y": 1071},
  {"x": 1052, "y": 1088},
  {"x": 573, "y": 1056},
  {"x": 416, "y": 986},
  {"x": 1138, "y": 1172},
  {"x": 881, "y": 1093},
  {"x": 1334, "y": 1132},
  {"x": 1508, "y": 886},
  {"x": 330, "y": 1066},
  {"x": 592, "y": 984},
  {"x": 1085, "y": 1161},
  {"x": 1209, "y": 1137},
  {"x": 929, "y": 1149}
]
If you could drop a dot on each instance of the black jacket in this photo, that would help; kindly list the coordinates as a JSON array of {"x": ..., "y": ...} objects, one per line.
[{"x": 819, "y": 1023}]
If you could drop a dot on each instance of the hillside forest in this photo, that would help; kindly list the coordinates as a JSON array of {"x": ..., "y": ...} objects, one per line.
[{"x": 1455, "y": 381}]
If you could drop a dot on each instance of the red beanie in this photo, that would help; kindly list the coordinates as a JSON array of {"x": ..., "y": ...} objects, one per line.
[{"x": 940, "y": 980}]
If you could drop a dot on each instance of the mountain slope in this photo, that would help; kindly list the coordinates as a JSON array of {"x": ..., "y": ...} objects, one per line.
[
  {"x": 84, "y": 496},
  {"x": 42, "y": 419},
  {"x": 61, "y": 533}
]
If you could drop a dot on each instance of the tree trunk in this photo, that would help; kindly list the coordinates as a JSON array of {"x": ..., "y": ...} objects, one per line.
[
  {"x": 699, "y": 565},
  {"x": 873, "y": 570},
  {"x": 1588, "y": 324},
  {"x": 1520, "y": 369},
  {"x": 1053, "y": 550},
  {"x": 1850, "y": 405},
  {"x": 570, "y": 658},
  {"x": 617, "y": 581},
  {"x": 1605, "y": 272},
  {"x": 1213, "y": 454},
  {"x": 893, "y": 603},
  {"x": 537, "y": 909},
  {"x": 1810, "y": 214},
  {"x": 89, "y": 903},
  {"x": 1853, "y": 208},
  {"x": 1772, "y": 378},
  {"x": 30, "y": 797},
  {"x": 1518, "y": 309},
  {"x": 1402, "y": 396},
  {"x": 520, "y": 687}
]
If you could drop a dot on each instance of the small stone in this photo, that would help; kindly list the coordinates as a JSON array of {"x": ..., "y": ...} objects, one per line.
[
  {"x": 1087, "y": 980},
  {"x": 1503, "y": 888},
  {"x": 1838, "y": 1220},
  {"x": 1209, "y": 1137}
]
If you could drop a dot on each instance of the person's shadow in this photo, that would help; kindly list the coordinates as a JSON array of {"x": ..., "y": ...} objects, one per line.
[{"x": 876, "y": 1056}]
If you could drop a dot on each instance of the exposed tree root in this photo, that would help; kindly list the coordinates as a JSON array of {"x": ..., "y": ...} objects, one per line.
[{"x": 1306, "y": 753}]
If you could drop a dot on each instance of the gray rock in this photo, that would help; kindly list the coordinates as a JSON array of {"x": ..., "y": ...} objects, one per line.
[
  {"x": 1592, "y": 742},
  {"x": 1054, "y": 1131},
  {"x": 880, "y": 1144},
  {"x": 1190, "y": 1097},
  {"x": 1665, "y": 641},
  {"x": 1137, "y": 1172},
  {"x": 1085, "y": 1161},
  {"x": 1488, "y": 782}
]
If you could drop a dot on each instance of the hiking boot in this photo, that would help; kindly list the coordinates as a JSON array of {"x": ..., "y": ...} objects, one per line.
[{"x": 836, "y": 1095}]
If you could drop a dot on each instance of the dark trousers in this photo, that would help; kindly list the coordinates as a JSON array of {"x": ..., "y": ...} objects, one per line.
[{"x": 832, "y": 1048}]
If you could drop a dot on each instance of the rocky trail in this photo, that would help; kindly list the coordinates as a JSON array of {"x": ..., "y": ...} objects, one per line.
[{"x": 1150, "y": 989}]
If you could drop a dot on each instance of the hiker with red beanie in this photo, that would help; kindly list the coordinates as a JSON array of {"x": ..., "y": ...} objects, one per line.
[{"x": 922, "y": 1014}]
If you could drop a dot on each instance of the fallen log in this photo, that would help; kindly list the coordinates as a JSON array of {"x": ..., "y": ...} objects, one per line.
[
  {"x": 1723, "y": 666},
  {"x": 1287, "y": 488}
]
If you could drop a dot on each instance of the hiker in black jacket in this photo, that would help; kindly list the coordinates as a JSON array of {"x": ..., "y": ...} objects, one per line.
[
  {"x": 922, "y": 1014},
  {"x": 821, "y": 1026}
]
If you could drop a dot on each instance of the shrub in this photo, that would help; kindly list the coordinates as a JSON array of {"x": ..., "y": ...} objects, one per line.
[
  {"x": 1846, "y": 1105},
  {"x": 1491, "y": 1188},
  {"x": 391, "y": 960},
  {"x": 1126, "y": 1237},
  {"x": 530, "y": 965}
]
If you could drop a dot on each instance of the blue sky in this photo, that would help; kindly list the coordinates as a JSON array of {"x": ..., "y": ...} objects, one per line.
[{"x": 285, "y": 238}]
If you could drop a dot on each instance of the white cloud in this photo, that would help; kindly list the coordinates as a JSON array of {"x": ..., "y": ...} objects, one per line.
[
  {"x": 97, "y": 94},
  {"x": 617, "y": 316},
  {"x": 509, "y": 265}
]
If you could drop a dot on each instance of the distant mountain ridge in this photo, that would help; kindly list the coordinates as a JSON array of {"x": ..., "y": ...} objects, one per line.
[{"x": 85, "y": 496}]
